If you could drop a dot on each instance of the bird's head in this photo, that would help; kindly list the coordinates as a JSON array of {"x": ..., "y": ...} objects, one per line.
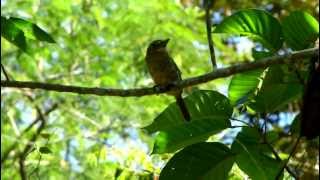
[{"x": 158, "y": 45}]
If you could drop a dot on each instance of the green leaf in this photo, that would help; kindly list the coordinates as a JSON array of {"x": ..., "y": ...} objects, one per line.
[
  {"x": 210, "y": 112},
  {"x": 275, "y": 97},
  {"x": 45, "y": 150},
  {"x": 300, "y": 30},
  {"x": 200, "y": 161},
  {"x": 253, "y": 156},
  {"x": 243, "y": 85},
  {"x": 201, "y": 104},
  {"x": 45, "y": 135},
  {"x": 13, "y": 34},
  {"x": 180, "y": 136},
  {"x": 18, "y": 31},
  {"x": 257, "y": 24},
  {"x": 31, "y": 31},
  {"x": 279, "y": 88}
]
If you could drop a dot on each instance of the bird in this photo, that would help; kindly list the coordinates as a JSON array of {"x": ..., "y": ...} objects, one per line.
[{"x": 164, "y": 71}]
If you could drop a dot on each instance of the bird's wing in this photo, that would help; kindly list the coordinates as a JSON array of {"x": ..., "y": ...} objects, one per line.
[{"x": 175, "y": 68}]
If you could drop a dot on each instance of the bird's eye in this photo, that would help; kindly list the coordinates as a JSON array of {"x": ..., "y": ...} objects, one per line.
[{"x": 157, "y": 43}]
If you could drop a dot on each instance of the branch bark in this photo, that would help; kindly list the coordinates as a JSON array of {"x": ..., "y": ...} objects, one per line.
[{"x": 218, "y": 73}]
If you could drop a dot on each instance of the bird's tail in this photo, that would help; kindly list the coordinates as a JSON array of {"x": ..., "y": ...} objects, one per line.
[{"x": 183, "y": 107}]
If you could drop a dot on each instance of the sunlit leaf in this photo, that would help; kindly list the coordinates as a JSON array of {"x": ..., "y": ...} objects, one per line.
[
  {"x": 256, "y": 24},
  {"x": 300, "y": 30},
  {"x": 199, "y": 161},
  {"x": 18, "y": 31},
  {"x": 242, "y": 86},
  {"x": 31, "y": 30},
  {"x": 210, "y": 112},
  {"x": 13, "y": 34}
]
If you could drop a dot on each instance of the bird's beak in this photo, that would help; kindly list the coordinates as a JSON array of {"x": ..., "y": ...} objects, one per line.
[{"x": 165, "y": 42}]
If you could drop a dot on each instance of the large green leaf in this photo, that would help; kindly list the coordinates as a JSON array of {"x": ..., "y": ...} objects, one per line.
[
  {"x": 210, "y": 112},
  {"x": 200, "y": 161},
  {"x": 275, "y": 97},
  {"x": 18, "y": 31},
  {"x": 300, "y": 30},
  {"x": 279, "y": 88},
  {"x": 201, "y": 104},
  {"x": 257, "y": 24},
  {"x": 253, "y": 156},
  {"x": 242, "y": 86},
  {"x": 182, "y": 135}
]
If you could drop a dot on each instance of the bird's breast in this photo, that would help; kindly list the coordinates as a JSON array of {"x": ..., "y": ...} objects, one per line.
[{"x": 162, "y": 69}]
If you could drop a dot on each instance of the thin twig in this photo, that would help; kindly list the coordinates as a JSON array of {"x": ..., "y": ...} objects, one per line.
[
  {"x": 209, "y": 35},
  {"x": 237, "y": 126},
  {"x": 67, "y": 154},
  {"x": 36, "y": 169},
  {"x": 265, "y": 140},
  {"x": 290, "y": 155},
  {"x": 22, "y": 169},
  {"x": 264, "y": 117},
  {"x": 300, "y": 79},
  {"x": 244, "y": 122},
  {"x": 218, "y": 73},
  {"x": 30, "y": 143},
  {"x": 5, "y": 72},
  {"x": 274, "y": 152}
]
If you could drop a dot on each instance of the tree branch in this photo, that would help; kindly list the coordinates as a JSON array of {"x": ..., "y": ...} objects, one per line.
[
  {"x": 23, "y": 155},
  {"x": 218, "y": 73},
  {"x": 287, "y": 160},
  {"x": 274, "y": 152},
  {"x": 208, "y": 4},
  {"x": 22, "y": 170},
  {"x": 14, "y": 145},
  {"x": 5, "y": 72}
]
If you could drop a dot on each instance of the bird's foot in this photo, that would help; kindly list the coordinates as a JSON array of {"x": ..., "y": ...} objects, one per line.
[
  {"x": 159, "y": 88},
  {"x": 162, "y": 88}
]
